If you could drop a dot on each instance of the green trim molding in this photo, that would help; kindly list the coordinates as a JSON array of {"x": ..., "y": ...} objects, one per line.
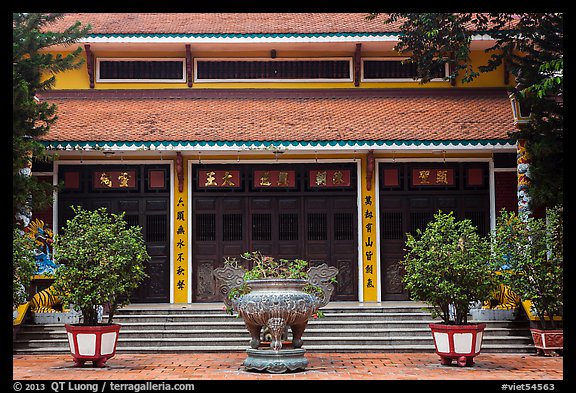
[{"x": 272, "y": 145}]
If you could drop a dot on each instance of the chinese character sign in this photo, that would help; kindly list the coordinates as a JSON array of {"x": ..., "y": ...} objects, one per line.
[
  {"x": 329, "y": 178},
  {"x": 274, "y": 178},
  {"x": 181, "y": 264},
  {"x": 369, "y": 239},
  {"x": 433, "y": 177},
  {"x": 208, "y": 178},
  {"x": 114, "y": 180}
]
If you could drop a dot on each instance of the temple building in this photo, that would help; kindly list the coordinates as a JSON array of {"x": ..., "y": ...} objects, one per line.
[{"x": 298, "y": 135}]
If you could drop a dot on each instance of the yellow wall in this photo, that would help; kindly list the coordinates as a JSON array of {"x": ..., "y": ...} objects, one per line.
[{"x": 78, "y": 79}]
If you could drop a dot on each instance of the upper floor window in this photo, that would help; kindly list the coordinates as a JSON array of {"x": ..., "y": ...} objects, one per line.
[
  {"x": 254, "y": 70},
  {"x": 140, "y": 70},
  {"x": 393, "y": 69}
]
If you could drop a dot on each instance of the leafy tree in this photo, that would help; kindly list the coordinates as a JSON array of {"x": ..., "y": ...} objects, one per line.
[
  {"x": 530, "y": 46},
  {"x": 447, "y": 266},
  {"x": 23, "y": 265},
  {"x": 101, "y": 261},
  {"x": 33, "y": 71},
  {"x": 529, "y": 255}
]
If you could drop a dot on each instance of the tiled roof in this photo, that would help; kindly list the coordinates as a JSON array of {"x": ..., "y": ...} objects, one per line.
[
  {"x": 287, "y": 115},
  {"x": 224, "y": 23}
]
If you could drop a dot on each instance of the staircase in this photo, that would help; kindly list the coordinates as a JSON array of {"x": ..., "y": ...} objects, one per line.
[{"x": 345, "y": 327}]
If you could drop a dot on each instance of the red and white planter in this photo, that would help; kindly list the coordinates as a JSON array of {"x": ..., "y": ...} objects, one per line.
[
  {"x": 457, "y": 342},
  {"x": 548, "y": 342},
  {"x": 92, "y": 343}
]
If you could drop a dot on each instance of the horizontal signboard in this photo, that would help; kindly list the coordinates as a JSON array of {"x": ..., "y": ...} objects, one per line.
[
  {"x": 329, "y": 178},
  {"x": 432, "y": 177},
  {"x": 103, "y": 180},
  {"x": 274, "y": 179},
  {"x": 219, "y": 178}
]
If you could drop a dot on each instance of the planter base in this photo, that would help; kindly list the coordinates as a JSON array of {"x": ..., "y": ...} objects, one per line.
[
  {"x": 96, "y": 344},
  {"x": 548, "y": 342},
  {"x": 275, "y": 362},
  {"x": 457, "y": 342},
  {"x": 462, "y": 361}
]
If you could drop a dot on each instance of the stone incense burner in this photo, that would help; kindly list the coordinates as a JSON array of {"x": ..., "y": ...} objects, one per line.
[{"x": 275, "y": 304}]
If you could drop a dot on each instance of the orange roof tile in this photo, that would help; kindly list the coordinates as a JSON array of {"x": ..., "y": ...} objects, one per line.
[
  {"x": 224, "y": 23},
  {"x": 286, "y": 115},
  {"x": 230, "y": 23}
]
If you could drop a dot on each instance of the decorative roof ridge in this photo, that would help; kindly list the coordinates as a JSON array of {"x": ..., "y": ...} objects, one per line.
[{"x": 243, "y": 35}]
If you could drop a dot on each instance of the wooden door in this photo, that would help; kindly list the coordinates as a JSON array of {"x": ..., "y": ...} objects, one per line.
[
  {"x": 404, "y": 208},
  {"x": 318, "y": 225},
  {"x": 145, "y": 206}
]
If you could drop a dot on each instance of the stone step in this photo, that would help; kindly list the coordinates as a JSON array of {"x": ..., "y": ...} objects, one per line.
[
  {"x": 219, "y": 308},
  {"x": 190, "y": 349},
  {"x": 223, "y": 319},
  {"x": 58, "y": 332},
  {"x": 126, "y": 340},
  {"x": 174, "y": 328}
]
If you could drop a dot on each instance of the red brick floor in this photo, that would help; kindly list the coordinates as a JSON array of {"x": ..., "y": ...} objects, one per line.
[{"x": 322, "y": 366}]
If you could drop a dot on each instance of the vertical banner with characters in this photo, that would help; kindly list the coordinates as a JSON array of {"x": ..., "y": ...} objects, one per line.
[
  {"x": 369, "y": 235},
  {"x": 181, "y": 273}
]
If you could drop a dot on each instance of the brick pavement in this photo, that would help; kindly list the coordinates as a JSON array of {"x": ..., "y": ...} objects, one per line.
[{"x": 322, "y": 366}]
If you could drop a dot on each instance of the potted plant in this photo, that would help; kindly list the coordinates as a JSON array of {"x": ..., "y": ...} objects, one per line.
[
  {"x": 529, "y": 256},
  {"x": 23, "y": 268},
  {"x": 100, "y": 262},
  {"x": 447, "y": 266},
  {"x": 274, "y": 294}
]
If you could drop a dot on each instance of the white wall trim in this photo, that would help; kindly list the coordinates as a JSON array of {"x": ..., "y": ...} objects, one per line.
[
  {"x": 58, "y": 163},
  {"x": 399, "y": 58},
  {"x": 491, "y": 190},
  {"x": 193, "y": 160},
  {"x": 180, "y": 59},
  {"x": 272, "y": 80}
]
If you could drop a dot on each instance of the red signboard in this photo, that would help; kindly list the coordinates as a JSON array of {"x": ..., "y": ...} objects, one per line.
[
  {"x": 156, "y": 179},
  {"x": 208, "y": 178},
  {"x": 274, "y": 179},
  {"x": 108, "y": 180},
  {"x": 432, "y": 177},
  {"x": 391, "y": 177},
  {"x": 475, "y": 177},
  {"x": 72, "y": 180},
  {"x": 329, "y": 178}
]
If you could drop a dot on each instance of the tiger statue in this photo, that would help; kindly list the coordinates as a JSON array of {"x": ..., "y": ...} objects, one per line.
[
  {"x": 45, "y": 301},
  {"x": 503, "y": 299}
]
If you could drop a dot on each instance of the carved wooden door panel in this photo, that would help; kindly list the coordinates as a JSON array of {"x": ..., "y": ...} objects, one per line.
[{"x": 331, "y": 238}]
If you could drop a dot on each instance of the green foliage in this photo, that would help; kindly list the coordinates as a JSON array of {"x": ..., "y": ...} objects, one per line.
[
  {"x": 31, "y": 69},
  {"x": 447, "y": 266},
  {"x": 529, "y": 255},
  {"x": 265, "y": 267},
  {"x": 434, "y": 39},
  {"x": 101, "y": 261},
  {"x": 531, "y": 46},
  {"x": 23, "y": 265}
]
